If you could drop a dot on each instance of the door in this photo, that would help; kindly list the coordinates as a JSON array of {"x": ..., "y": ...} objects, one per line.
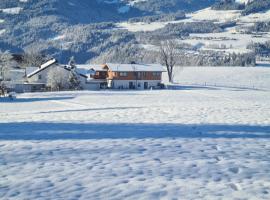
[
  {"x": 131, "y": 85},
  {"x": 145, "y": 85}
]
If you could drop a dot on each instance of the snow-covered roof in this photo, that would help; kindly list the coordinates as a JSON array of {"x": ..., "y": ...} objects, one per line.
[
  {"x": 48, "y": 63},
  {"x": 135, "y": 67},
  {"x": 79, "y": 71},
  {"x": 91, "y": 66},
  {"x": 42, "y": 67},
  {"x": 30, "y": 70}
]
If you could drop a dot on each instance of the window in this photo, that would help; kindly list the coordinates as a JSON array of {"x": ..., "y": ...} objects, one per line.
[
  {"x": 156, "y": 73},
  {"x": 39, "y": 77},
  {"x": 123, "y": 74},
  {"x": 138, "y": 74}
]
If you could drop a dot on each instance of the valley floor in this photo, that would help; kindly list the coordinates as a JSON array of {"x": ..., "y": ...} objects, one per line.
[{"x": 193, "y": 142}]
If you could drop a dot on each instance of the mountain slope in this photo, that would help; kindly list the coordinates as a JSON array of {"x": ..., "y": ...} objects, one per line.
[{"x": 63, "y": 28}]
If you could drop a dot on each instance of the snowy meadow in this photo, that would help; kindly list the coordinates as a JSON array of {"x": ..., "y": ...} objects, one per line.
[{"x": 208, "y": 141}]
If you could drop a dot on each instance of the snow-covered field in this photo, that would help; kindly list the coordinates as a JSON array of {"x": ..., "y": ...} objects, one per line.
[
  {"x": 234, "y": 77},
  {"x": 194, "y": 142}
]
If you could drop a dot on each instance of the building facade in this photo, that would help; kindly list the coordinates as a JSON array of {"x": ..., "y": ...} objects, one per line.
[{"x": 130, "y": 76}]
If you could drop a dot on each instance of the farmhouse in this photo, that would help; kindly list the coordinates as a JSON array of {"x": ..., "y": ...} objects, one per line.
[
  {"x": 95, "y": 77},
  {"x": 38, "y": 78},
  {"x": 40, "y": 74},
  {"x": 129, "y": 76}
]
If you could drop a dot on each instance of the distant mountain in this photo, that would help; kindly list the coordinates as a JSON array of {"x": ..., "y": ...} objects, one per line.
[
  {"x": 89, "y": 29},
  {"x": 70, "y": 27}
]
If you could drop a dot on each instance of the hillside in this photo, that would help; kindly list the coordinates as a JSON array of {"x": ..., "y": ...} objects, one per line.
[
  {"x": 125, "y": 30},
  {"x": 51, "y": 26}
]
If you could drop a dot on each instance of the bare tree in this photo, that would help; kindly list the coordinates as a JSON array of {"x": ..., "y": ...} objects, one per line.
[
  {"x": 72, "y": 62},
  {"x": 33, "y": 58},
  {"x": 58, "y": 79},
  {"x": 168, "y": 55}
]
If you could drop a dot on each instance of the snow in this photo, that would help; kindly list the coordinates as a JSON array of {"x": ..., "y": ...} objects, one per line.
[
  {"x": 42, "y": 67},
  {"x": 256, "y": 17},
  {"x": 128, "y": 2},
  {"x": 140, "y": 26},
  {"x": 193, "y": 142},
  {"x": 13, "y": 11},
  {"x": 133, "y": 2},
  {"x": 202, "y": 15},
  {"x": 232, "y": 40},
  {"x": 135, "y": 67},
  {"x": 215, "y": 15},
  {"x": 123, "y": 9},
  {"x": 234, "y": 77},
  {"x": 2, "y": 31},
  {"x": 243, "y": 1},
  {"x": 59, "y": 37}
]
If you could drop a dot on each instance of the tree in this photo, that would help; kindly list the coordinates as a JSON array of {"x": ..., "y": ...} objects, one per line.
[
  {"x": 74, "y": 80},
  {"x": 33, "y": 58},
  {"x": 72, "y": 62},
  {"x": 168, "y": 55},
  {"x": 5, "y": 61},
  {"x": 58, "y": 79}
]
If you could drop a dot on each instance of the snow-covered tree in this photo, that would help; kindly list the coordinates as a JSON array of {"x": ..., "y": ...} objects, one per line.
[
  {"x": 58, "y": 79},
  {"x": 33, "y": 57},
  {"x": 74, "y": 80},
  {"x": 5, "y": 61},
  {"x": 72, "y": 62}
]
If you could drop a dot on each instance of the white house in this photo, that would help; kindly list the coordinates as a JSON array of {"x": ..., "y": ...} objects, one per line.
[{"x": 40, "y": 75}]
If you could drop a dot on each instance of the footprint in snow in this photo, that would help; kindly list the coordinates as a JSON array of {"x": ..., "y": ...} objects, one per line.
[
  {"x": 216, "y": 147},
  {"x": 234, "y": 170},
  {"x": 219, "y": 158},
  {"x": 234, "y": 186}
]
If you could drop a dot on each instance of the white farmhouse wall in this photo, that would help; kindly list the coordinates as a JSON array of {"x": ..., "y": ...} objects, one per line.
[
  {"x": 139, "y": 84},
  {"x": 42, "y": 77},
  {"x": 91, "y": 86}
]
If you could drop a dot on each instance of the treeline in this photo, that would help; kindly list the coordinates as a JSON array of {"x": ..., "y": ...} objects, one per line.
[
  {"x": 177, "y": 30},
  {"x": 212, "y": 58},
  {"x": 159, "y": 18},
  {"x": 127, "y": 54},
  {"x": 251, "y": 7},
  {"x": 228, "y": 5},
  {"x": 261, "y": 49},
  {"x": 256, "y": 6},
  {"x": 260, "y": 27}
]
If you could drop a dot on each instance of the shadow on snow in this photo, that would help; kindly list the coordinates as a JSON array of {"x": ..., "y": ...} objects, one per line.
[
  {"x": 88, "y": 109},
  {"x": 29, "y": 100},
  {"x": 179, "y": 86},
  {"x": 66, "y": 131}
]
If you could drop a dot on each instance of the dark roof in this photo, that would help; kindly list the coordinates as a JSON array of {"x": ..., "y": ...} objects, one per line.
[{"x": 80, "y": 74}]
